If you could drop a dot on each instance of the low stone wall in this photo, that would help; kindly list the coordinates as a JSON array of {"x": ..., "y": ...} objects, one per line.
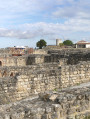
[
  {"x": 35, "y": 79},
  {"x": 4, "y": 51},
  {"x": 71, "y": 103},
  {"x": 73, "y": 56},
  {"x": 35, "y": 59},
  {"x": 29, "y": 80},
  {"x": 11, "y": 71},
  {"x": 40, "y": 51},
  {"x": 75, "y": 74},
  {"x": 12, "y": 61},
  {"x": 69, "y": 51}
]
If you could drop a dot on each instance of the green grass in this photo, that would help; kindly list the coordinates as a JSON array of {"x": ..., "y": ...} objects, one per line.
[
  {"x": 55, "y": 89},
  {"x": 88, "y": 117}
]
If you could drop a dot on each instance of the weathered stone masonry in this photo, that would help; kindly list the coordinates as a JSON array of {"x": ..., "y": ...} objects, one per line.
[
  {"x": 75, "y": 74},
  {"x": 32, "y": 76},
  {"x": 34, "y": 80},
  {"x": 31, "y": 81},
  {"x": 69, "y": 103}
]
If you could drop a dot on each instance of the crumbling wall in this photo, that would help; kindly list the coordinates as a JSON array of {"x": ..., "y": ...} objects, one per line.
[
  {"x": 70, "y": 56},
  {"x": 25, "y": 70},
  {"x": 76, "y": 58},
  {"x": 75, "y": 74},
  {"x": 73, "y": 56},
  {"x": 71, "y": 103},
  {"x": 35, "y": 79},
  {"x": 12, "y": 61},
  {"x": 69, "y": 50},
  {"x": 40, "y": 51},
  {"x": 29, "y": 80}
]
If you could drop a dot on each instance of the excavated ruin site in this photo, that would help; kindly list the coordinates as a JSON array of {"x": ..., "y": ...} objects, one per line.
[{"x": 51, "y": 84}]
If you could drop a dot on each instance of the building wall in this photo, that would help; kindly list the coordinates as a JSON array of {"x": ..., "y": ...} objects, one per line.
[
  {"x": 87, "y": 45},
  {"x": 81, "y": 46},
  {"x": 58, "y": 41}
]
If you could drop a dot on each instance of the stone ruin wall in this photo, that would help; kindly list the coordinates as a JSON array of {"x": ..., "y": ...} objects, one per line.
[
  {"x": 4, "y": 51},
  {"x": 68, "y": 50},
  {"x": 35, "y": 79},
  {"x": 24, "y": 80},
  {"x": 75, "y": 74},
  {"x": 35, "y": 59},
  {"x": 69, "y": 103},
  {"x": 40, "y": 77},
  {"x": 12, "y": 61},
  {"x": 40, "y": 51},
  {"x": 28, "y": 80},
  {"x": 71, "y": 56},
  {"x": 25, "y": 70}
]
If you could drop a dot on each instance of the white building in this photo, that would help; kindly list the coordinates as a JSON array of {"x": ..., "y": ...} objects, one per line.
[
  {"x": 58, "y": 41},
  {"x": 83, "y": 44}
]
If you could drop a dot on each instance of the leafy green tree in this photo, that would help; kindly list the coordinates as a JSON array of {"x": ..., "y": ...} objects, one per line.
[
  {"x": 68, "y": 42},
  {"x": 61, "y": 44},
  {"x": 41, "y": 43}
]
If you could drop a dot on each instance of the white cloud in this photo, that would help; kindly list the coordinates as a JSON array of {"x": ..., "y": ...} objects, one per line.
[
  {"x": 59, "y": 8},
  {"x": 73, "y": 9},
  {"x": 42, "y": 29},
  {"x": 26, "y": 5},
  {"x": 74, "y": 12},
  {"x": 11, "y": 9}
]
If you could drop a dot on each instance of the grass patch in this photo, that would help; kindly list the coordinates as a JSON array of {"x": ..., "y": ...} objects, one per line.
[{"x": 88, "y": 117}]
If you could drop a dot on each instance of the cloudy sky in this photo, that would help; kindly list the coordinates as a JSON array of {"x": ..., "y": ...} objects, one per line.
[{"x": 24, "y": 22}]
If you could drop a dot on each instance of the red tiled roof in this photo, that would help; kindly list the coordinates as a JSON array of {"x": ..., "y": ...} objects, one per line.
[{"x": 82, "y": 42}]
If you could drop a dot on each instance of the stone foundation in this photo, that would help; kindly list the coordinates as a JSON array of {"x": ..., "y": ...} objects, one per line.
[{"x": 71, "y": 103}]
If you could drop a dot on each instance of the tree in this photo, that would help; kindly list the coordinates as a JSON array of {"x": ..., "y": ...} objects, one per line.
[
  {"x": 68, "y": 42},
  {"x": 41, "y": 43},
  {"x": 61, "y": 44}
]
